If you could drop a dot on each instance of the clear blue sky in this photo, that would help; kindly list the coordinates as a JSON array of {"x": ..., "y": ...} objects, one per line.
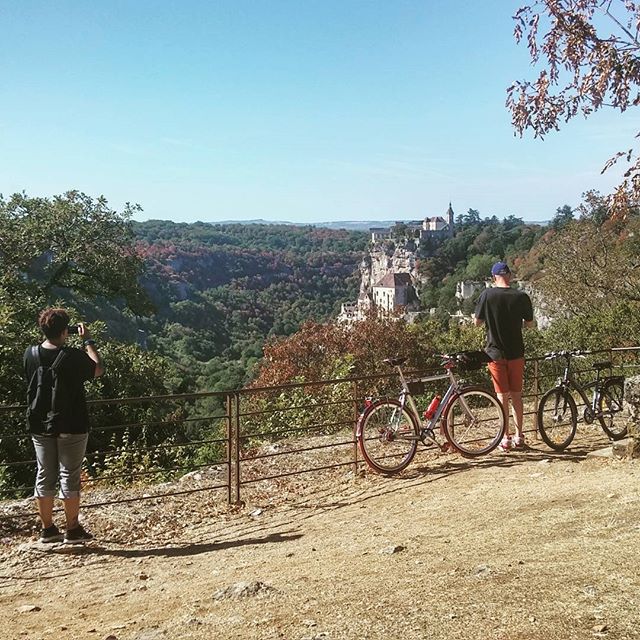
[{"x": 299, "y": 110}]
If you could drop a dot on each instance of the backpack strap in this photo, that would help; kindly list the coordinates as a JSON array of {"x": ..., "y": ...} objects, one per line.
[
  {"x": 34, "y": 356},
  {"x": 34, "y": 353},
  {"x": 59, "y": 358}
]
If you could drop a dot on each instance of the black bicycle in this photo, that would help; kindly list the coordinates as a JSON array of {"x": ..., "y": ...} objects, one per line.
[{"x": 558, "y": 412}]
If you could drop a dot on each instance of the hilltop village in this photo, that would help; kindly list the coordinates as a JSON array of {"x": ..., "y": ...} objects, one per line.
[{"x": 390, "y": 282}]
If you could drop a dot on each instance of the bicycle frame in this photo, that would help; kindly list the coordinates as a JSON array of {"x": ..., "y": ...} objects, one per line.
[
  {"x": 569, "y": 381},
  {"x": 470, "y": 418},
  {"x": 406, "y": 399}
]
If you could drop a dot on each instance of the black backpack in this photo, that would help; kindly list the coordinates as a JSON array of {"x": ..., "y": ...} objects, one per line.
[{"x": 47, "y": 395}]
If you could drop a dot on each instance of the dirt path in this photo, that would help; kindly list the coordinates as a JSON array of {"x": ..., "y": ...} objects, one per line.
[{"x": 524, "y": 545}]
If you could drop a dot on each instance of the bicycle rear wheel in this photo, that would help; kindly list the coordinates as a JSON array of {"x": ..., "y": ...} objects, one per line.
[
  {"x": 612, "y": 420},
  {"x": 557, "y": 418},
  {"x": 388, "y": 436},
  {"x": 474, "y": 421}
]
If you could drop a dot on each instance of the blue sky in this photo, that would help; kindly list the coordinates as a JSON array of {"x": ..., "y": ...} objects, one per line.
[{"x": 299, "y": 110}]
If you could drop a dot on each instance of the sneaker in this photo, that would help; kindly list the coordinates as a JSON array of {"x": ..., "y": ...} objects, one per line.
[
  {"x": 77, "y": 536},
  {"x": 518, "y": 442},
  {"x": 50, "y": 534},
  {"x": 505, "y": 444}
]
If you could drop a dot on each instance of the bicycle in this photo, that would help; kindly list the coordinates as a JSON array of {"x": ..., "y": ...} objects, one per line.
[
  {"x": 472, "y": 419},
  {"x": 557, "y": 413}
]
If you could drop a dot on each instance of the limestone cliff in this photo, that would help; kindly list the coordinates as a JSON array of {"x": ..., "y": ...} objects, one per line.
[{"x": 378, "y": 262}]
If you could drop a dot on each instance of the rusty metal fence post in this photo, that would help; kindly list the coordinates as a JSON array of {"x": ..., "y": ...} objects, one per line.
[
  {"x": 354, "y": 388},
  {"x": 235, "y": 440},
  {"x": 536, "y": 395},
  {"x": 228, "y": 406}
]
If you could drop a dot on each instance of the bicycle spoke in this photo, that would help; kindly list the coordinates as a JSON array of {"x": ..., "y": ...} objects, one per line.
[
  {"x": 388, "y": 437},
  {"x": 475, "y": 422},
  {"x": 610, "y": 405},
  {"x": 557, "y": 418}
]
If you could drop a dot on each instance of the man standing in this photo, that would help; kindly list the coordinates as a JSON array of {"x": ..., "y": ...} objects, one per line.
[
  {"x": 505, "y": 311},
  {"x": 58, "y": 419}
]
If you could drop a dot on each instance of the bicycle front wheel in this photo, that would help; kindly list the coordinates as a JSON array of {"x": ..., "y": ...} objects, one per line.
[
  {"x": 388, "y": 436},
  {"x": 474, "y": 422},
  {"x": 557, "y": 418},
  {"x": 612, "y": 420}
]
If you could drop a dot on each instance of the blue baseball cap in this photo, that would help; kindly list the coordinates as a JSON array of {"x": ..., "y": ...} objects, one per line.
[{"x": 500, "y": 269}]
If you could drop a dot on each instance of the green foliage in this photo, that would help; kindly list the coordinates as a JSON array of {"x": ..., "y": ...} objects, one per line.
[
  {"x": 564, "y": 215},
  {"x": 617, "y": 325},
  {"x": 69, "y": 242},
  {"x": 67, "y": 251},
  {"x": 588, "y": 266},
  {"x": 478, "y": 266},
  {"x": 222, "y": 290},
  {"x": 134, "y": 459},
  {"x": 586, "y": 55}
]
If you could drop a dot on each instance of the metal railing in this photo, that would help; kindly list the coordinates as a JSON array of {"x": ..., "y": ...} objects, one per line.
[{"x": 240, "y": 438}]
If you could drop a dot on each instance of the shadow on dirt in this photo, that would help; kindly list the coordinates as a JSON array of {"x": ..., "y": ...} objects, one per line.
[
  {"x": 427, "y": 471},
  {"x": 173, "y": 551}
]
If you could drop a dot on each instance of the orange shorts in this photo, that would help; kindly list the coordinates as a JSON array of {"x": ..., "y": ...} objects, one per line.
[{"x": 507, "y": 375}]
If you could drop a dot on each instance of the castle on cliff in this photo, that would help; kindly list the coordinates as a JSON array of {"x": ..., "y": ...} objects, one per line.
[
  {"x": 389, "y": 281},
  {"x": 435, "y": 227}
]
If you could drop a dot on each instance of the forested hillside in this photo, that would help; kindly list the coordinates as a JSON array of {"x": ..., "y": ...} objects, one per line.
[{"x": 220, "y": 290}]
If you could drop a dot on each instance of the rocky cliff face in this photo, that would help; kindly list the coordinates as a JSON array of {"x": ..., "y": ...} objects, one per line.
[
  {"x": 379, "y": 262},
  {"x": 540, "y": 311}
]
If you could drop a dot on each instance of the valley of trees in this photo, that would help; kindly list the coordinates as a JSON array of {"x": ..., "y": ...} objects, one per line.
[
  {"x": 220, "y": 291},
  {"x": 192, "y": 307}
]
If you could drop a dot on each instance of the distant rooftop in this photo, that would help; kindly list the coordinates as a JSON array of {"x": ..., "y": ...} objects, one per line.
[{"x": 394, "y": 280}]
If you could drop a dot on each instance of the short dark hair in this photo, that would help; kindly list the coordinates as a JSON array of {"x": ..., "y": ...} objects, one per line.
[{"x": 53, "y": 322}]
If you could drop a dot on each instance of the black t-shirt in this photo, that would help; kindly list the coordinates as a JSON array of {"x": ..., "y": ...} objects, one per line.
[
  {"x": 76, "y": 368},
  {"x": 503, "y": 310}
]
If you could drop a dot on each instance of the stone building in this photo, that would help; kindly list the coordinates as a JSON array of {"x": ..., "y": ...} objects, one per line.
[
  {"x": 393, "y": 293},
  {"x": 435, "y": 227}
]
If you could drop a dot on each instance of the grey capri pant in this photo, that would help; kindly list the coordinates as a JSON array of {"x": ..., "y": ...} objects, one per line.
[{"x": 59, "y": 456}]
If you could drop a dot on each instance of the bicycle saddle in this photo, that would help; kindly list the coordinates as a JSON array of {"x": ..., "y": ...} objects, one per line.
[
  {"x": 395, "y": 362},
  {"x": 606, "y": 364}
]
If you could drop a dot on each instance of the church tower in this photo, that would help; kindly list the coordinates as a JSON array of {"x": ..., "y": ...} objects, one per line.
[{"x": 450, "y": 220}]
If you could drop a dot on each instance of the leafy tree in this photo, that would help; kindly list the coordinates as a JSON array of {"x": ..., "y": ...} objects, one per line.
[
  {"x": 470, "y": 218},
  {"x": 598, "y": 329},
  {"x": 590, "y": 56},
  {"x": 70, "y": 242},
  {"x": 595, "y": 207},
  {"x": 479, "y": 267},
  {"x": 563, "y": 216},
  {"x": 70, "y": 247},
  {"x": 314, "y": 351},
  {"x": 587, "y": 266}
]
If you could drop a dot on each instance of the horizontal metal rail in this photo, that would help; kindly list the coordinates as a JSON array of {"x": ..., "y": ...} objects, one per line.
[
  {"x": 293, "y": 430},
  {"x": 250, "y": 419}
]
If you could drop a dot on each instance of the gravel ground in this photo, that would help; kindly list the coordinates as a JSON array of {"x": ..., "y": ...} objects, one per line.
[{"x": 512, "y": 546}]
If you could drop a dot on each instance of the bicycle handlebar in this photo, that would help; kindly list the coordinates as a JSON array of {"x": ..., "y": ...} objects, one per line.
[{"x": 447, "y": 360}]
